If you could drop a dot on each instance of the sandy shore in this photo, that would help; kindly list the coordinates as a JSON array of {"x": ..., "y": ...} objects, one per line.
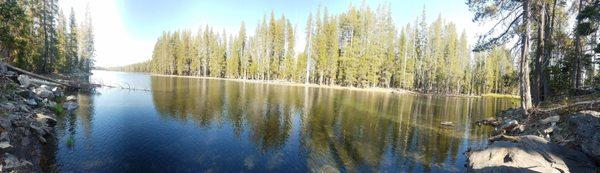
[
  {"x": 287, "y": 83},
  {"x": 371, "y": 89}
]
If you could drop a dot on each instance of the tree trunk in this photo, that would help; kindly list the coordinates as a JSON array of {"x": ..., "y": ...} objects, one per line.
[
  {"x": 548, "y": 51},
  {"x": 537, "y": 75},
  {"x": 524, "y": 64},
  {"x": 576, "y": 74}
]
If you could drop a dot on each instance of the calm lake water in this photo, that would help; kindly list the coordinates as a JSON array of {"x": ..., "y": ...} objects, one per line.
[{"x": 206, "y": 125}]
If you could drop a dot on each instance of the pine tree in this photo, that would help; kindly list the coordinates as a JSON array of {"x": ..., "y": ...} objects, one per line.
[
  {"x": 72, "y": 45},
  {"x": 88, "y": 47}
]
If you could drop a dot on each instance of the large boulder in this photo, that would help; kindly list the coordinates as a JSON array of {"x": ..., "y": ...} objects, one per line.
[
  {"x": 24, "y": 80},
  {"x": 529, "y": 154},
  {"x": 586, "y": 126}
]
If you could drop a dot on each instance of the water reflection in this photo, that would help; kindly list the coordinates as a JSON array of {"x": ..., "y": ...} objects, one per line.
[
  {"x": 186, "y": 125},
  {"x": 336, "y": 129}
]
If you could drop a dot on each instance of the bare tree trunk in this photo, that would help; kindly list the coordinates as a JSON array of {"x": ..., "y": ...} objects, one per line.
[{"x": 524, "y": 64}]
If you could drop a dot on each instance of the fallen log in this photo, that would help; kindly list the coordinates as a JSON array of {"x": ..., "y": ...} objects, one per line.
[
  {"x": 37, "y": 75},
  {"x": 503, "y": 137}
]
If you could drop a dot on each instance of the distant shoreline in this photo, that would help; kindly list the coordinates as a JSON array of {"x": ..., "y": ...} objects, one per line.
[
  {"x": 287, "y": 83},
  {"x": 371, "y": 89}
]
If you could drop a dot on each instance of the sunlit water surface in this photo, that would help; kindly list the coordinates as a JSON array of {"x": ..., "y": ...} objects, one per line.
[{"x": 198, "y": 125}]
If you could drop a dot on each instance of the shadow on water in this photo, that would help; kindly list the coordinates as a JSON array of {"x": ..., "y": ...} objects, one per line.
[{"x": 188, "y": 124}]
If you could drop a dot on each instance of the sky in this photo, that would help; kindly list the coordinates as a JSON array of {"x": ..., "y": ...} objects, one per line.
[{"x": 126, "y": 30}]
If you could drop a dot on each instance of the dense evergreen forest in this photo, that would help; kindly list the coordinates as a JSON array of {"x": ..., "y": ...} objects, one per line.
[
  {"x": 35, "y": 35},
  {"x": 359, "y": 48},
  {"x": 549, "y": 43}
]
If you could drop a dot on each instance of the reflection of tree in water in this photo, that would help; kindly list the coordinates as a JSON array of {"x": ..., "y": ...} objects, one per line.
[
  {"x": 353, "y": 132},
  {"x": 67, "y": 124},
  {"x": 208, "y": 101},
  {"x": 348, "y": 130},
  {"x": 85, "y": 113}
]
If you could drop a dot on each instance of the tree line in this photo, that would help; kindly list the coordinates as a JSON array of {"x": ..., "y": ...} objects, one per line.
[
  {"x": 36, "y": 36},
  {"x": 561, "y": 58},
  {"x": 361, "y": 47}
]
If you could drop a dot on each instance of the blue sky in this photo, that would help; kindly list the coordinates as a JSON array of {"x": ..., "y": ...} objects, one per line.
[{"x": 126, "y": 29}]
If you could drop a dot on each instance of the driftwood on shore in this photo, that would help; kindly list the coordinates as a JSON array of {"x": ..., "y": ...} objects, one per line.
[{"x": 38, "y": 76}]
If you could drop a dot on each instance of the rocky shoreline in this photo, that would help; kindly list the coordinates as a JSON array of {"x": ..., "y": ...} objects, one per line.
[
  {"x": 559, "y": 139},
  {"x": 27, "y": 118}
]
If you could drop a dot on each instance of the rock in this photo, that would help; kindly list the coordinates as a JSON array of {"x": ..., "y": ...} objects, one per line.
[
  {"x": 70, "y": 106},
  {"x": 488, "y": 121},
  {"x": 5, "y": 123},
  {"x": 13, "y": 163},
  {"x": 586, "y": 125},
  {"x": 509, "y": 125},
  {"x": 37, "y": 129},
  {"x": 550, "y": 129},
  {"x": 46, "y": 87},
  {"x": 529, "y": 154},
  {"x": 51, "y": 104},
  {"x": 10, "y": 74},
  {"x": 552, "y": 119},
  {"x": 24, "y": 108},
  {"x": 3, "y": 68},
  {"x": 43, "y": 93},
  {"x": 447, "y": 123},
  {"x": 31, "y": 102},
  {"x": 9, "y": 106},
  {"x": 24, "y": 80},
  {"x": 5, "y": 145},
  {"x": 57, "y": 92},
  {"x": 49, "y": 121},
  {"x": 27, "y": 94},
  {"x": 25, "y": 142},
  {"x": 4, "y": 137},
  {"x": 71, "y": 98},
  {"x": 42, "y": 139}
]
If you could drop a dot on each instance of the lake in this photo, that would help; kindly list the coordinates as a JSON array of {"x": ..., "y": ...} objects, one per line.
[{"x": 208, "y": 125}]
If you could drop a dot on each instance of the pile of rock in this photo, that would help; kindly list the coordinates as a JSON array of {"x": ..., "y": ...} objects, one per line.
[
  {"x": 27, "y": 112},
  {"x": 545, "y": 141}
]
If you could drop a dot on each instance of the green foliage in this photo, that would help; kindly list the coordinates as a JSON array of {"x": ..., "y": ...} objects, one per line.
[
  {"x": 70, "y": 141},
  {"x": 58, "y": 109},
  {"x": 34, "y": 37}
]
